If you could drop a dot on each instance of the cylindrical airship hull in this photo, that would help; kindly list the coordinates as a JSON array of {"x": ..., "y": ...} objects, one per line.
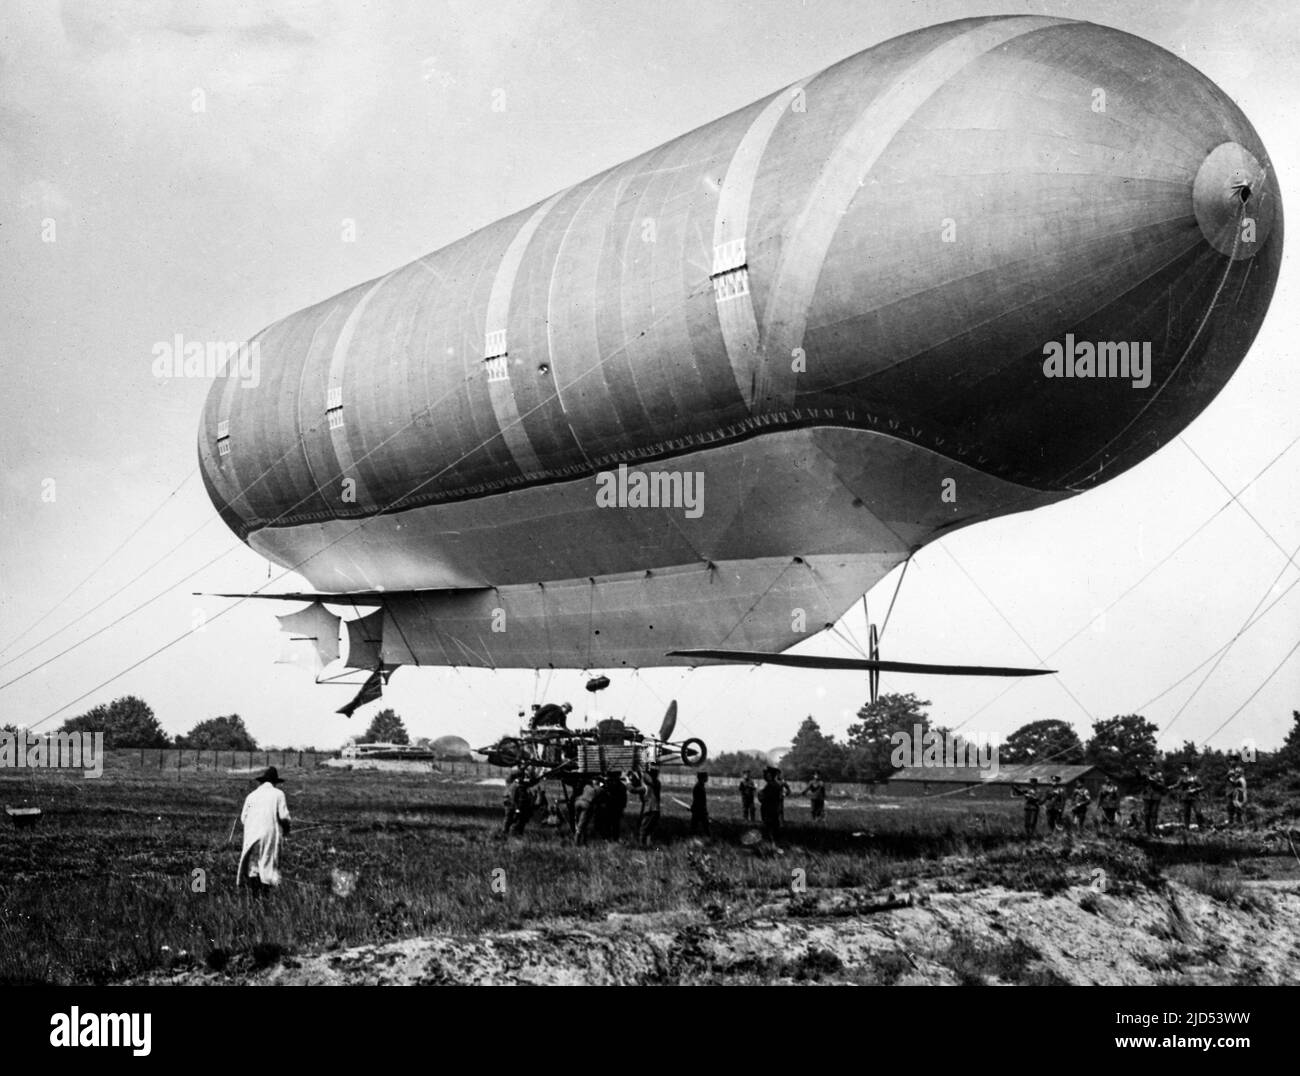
[{"x": 967, "y": 272}]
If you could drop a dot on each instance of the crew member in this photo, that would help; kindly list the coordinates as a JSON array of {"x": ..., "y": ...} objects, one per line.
[
  {"x": 518, "y": 800},
  {"x": 589, "y": 807},
  {"x": 1033, "y": 799},
  {"x": 1055, "y": 803},
  {"x": 1079, "y": 806},
  {"x": 650, "y": 803},
  {"x": 1152, "y": 793},
  {"x": 1189, "y": 789},
  {"x": 786, "y": 790},
  {"x": 700, "y": 806},
  {"x": 747, "y": 790},
  {"x": 551, "y": 716},
  {"x": 1108, "y": 801},
  {"x": 769, "y": 803},
  {"x": 1236, "y": 795},
  {"x": 615, "y": 805},
  {"x": 265, "y": 817},
  {"x": 816, "y": 793}
]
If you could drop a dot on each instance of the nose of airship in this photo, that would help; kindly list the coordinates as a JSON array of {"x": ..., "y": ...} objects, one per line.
[
  {"x": 1234, "y": 198},
  {"x": 1058, "y": 261}
]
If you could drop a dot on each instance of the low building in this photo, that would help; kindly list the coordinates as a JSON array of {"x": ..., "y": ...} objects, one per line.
[
  {"x": 970, "y": 781},
  {"x": 386, "y": 751}
]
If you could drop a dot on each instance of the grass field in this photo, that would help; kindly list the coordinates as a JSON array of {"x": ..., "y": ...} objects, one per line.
[{"x": 106, "y": 888}]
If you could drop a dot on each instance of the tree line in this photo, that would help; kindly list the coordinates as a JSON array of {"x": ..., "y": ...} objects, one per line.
[
  {"x": 129, "y": 722},
  {"x": 1123, "y": 746}
]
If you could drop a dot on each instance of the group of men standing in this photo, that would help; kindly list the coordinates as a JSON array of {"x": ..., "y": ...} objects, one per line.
[
  {"x": 771, "y": 799},
  {"x": 1188, "y": 788},
  {"x": 1058, "y": 800},
  {"x": 598, "y": 805}
]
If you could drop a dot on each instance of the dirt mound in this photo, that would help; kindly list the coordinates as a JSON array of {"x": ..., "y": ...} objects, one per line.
[{"x": 1078, "y": 936}]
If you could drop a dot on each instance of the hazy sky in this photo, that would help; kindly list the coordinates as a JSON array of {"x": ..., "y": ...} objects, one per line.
[{"x": 198, "y": 160}]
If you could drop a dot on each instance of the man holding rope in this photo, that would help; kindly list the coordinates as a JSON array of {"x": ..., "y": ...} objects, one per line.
[{"x": 266, "y": 821}]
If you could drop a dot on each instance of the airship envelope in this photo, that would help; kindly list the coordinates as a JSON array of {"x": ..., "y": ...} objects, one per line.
[{"x": 710, "y": 396}]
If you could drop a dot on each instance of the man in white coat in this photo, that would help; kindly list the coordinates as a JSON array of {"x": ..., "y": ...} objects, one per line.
[{"x": 266, "y": 821}]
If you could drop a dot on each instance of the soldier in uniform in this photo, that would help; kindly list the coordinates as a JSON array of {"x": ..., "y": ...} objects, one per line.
[
  {"x": 1108, "y": 801},
  {"x": 519, "y": 800},
  {"x": 1055, "y": 803},
  {"x": 816, "y": 793},
  {"x": 1152, "y": 793},
  {"x": 1079, "y": 806},
  {"x": 1236, "y": 795},
  {"x": 747, "y": 790},
  {"x": 1189, "y": 789},
  {"x": 786, "y": 790},
  {"x": 1032, "y": 800}
]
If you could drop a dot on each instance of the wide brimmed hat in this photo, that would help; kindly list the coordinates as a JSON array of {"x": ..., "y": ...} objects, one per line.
[{"x": 271, "y": 774}]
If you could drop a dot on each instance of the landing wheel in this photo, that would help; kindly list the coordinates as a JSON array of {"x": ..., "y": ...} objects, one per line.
[{"x": 694, "y": 752}]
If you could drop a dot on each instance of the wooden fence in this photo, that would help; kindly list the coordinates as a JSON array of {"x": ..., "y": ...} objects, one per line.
[
  {"x": 184, "y": 758},
  {"x": 175, "y": 759}
]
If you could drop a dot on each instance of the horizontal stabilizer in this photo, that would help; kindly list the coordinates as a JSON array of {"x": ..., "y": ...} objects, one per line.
[
  {"x": 355, "y": 597},
  {"x": 802, "y": 661},
  {"x": 363, "y": 598}
]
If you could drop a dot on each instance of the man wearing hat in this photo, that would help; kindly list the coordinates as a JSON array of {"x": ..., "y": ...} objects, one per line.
[{"x": 265, "y": 818}]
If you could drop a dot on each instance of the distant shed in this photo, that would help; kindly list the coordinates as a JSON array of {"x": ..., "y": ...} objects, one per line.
[{"x": 962, "y": 781}]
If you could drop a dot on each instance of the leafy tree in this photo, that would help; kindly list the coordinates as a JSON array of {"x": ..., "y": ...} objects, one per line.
[
  {"x": 813, "y": 751},
  {"x": 125, "y": 722},
  {"x": 219, "y": 734},
  {"x": 1188, "y": 755},
  {"x": 870, "y": 746},
  {"x": 734, "y": 763},
  {"x": 1214, "y": 769},
  {"x": 1043, "y": 741},
  {"x": 1289, "y": 753},
  {"x": 386, "y": 727},
  {"x": 1285, "y": 761},
  {"x": 1124, "y": 747}
]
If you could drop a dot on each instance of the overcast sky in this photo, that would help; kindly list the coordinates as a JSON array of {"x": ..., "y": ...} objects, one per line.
[{"x": 198, "y": 161}]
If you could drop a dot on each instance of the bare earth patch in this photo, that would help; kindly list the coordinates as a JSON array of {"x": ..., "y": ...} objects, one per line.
[{"x": 990, "y": 935}]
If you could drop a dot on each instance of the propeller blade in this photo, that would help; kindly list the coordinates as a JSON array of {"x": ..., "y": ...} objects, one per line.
[
  {"x": 670, "y": 722},
  {"x": 801, "y": 661}
]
